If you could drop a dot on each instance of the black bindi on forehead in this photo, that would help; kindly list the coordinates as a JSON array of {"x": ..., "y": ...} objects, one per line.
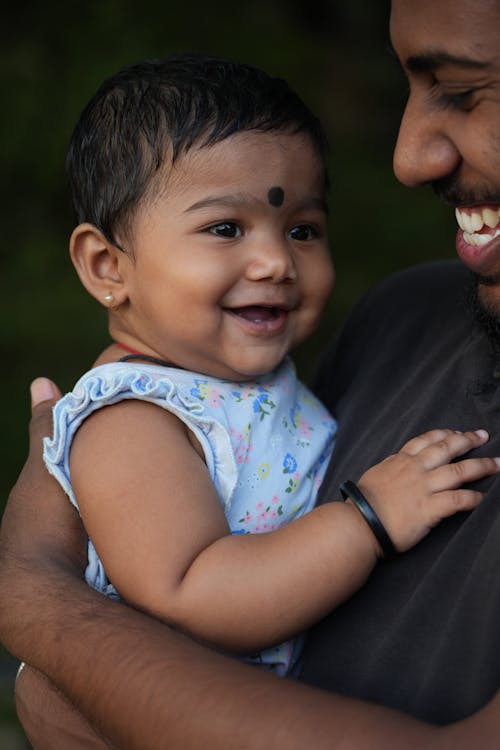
[{"x": 276, "y": 196}]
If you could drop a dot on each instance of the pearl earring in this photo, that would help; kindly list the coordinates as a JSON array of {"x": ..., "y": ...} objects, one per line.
[{"x": 109, "y": 297}]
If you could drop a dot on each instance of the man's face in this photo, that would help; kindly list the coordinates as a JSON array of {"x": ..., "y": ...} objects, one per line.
[{"x": 450, "y": 130}]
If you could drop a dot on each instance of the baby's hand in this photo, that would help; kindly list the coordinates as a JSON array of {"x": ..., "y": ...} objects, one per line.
[{"x": 416, "y": 488}]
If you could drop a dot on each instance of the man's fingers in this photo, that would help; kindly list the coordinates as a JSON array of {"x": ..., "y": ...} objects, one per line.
[
  {"x": 44, "y": 393},
  {"x": 43, "y": 389}
]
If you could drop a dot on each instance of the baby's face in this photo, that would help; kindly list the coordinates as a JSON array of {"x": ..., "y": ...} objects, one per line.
[{"x": 231, "y": 262}]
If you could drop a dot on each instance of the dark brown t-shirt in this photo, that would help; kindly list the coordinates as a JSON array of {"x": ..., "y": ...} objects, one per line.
[{"x": 422, "y": 634}]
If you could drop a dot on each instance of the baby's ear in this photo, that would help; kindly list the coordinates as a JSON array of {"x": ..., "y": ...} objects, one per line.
[{"x": 99, "y": 265}]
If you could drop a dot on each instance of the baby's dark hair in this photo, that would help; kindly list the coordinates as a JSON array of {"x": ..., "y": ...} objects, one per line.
[{"x": 153, "y": 111}]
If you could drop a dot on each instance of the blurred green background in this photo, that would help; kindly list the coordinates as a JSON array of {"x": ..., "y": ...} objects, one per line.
[{"x": 334, "y": 53}]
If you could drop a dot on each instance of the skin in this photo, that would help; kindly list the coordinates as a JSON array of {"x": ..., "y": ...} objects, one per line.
[
  {"x": 41, "y": 553},
  {"x": 449, "y": 136},
  {"x": 257, "y": 277}
]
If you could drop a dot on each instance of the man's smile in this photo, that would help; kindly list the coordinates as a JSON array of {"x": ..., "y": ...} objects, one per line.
[
  {"x": 480, "y": 224},
  {"x": 478, "y": 238}
]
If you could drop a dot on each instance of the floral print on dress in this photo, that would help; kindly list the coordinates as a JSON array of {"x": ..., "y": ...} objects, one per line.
[
  {"x": 298, "y": 426},
  {"x": 260, "y": 397},
  {"x": 267, "y": 517},
  {"x": 289, "y": 464},
  {"x": 206, "y": 392},
  {"x": 242, "y": 445},
  {"x": 266, "y": 443}
]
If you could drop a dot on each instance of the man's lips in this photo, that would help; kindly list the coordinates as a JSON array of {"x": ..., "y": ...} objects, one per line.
[{"x": 478, "y": 239}]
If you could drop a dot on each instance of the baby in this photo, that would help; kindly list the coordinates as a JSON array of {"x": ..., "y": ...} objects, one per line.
[{"x": 200, "y": 191}]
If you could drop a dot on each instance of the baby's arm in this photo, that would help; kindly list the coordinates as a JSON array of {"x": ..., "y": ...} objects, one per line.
[{"x": 149, "y": 506}]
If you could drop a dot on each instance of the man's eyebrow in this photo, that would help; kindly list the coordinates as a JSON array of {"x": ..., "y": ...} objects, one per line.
[
  {"x": 434, "y": 59},
  {"x": 427, "y": 62}
]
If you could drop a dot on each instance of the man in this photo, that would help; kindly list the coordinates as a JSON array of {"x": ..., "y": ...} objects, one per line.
[{"x": 422, "y": 635}]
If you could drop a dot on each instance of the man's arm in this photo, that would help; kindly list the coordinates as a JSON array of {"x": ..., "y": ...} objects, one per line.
[
  {"x": 49, "y": 721},
  {"x": 144, "y": 686}
]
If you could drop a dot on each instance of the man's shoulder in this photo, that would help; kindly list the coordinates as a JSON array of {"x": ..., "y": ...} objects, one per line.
[
  {"x": 408, "y": 311},
  {"x": 436, "y": 291},
  {"x": 432, "y": 282}
]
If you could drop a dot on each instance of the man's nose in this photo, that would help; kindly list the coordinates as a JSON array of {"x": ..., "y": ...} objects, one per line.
[{"x": 424, "y": 150}]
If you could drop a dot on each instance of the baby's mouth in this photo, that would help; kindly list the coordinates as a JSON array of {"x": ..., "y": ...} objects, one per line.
[
  {"x": 260, "y": 319},
  {"x": 258, "y": 313}
]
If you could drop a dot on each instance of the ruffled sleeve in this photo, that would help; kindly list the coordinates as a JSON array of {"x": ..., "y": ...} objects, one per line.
[{"x": 109, "y": 384}]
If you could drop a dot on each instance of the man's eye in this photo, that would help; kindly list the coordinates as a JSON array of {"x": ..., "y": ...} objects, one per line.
[
  {"x": 455, "y": 99},
  {"x": 303, "y": 232},
  {"x": 461, "y": 101},
  {"x": 226, "y": 229}
]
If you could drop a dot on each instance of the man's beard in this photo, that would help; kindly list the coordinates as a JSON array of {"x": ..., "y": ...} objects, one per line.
[{"x": 485, "y": 317}]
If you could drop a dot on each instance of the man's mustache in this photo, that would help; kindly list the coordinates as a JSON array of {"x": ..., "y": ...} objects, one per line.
[{"x": 452, "y": 191}]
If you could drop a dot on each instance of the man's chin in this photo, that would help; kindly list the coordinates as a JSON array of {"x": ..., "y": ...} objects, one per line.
[
  {"x": 488, "y": 293},
  {"x": 485, "y": 307}
]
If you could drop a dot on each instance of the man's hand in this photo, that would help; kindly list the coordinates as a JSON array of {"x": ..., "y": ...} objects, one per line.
[{"x": 39, "y": 527}]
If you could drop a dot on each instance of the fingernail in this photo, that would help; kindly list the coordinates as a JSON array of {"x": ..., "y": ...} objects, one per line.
[
  {"x": 482, "y": 433},
  {"x": 41, "y": 389},
  {"x": 497, "y": 461}
]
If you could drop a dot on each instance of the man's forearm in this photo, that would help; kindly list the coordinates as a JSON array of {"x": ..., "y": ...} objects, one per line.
[
  {"x": 146, "y": 687},
  {"x": 48, "y": 718}
]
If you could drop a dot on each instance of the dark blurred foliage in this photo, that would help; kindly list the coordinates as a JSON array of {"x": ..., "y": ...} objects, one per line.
[{"x": 54, "y": 55}]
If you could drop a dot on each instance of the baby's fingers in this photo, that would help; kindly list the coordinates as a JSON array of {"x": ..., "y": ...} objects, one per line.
[
  {"x": 434, "y": 451},
  {"x": 418, "y": 443},
  {"x": 454, "y": 475},
  {"x": 447, "y": 503}
]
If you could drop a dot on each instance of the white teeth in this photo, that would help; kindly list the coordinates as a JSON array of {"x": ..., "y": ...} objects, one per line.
[
  {"x": 460, "y": 222},
  {"x": 467, "y": 220},
  {"x": 478, "y": 240},
  {"x": 490, "y": 217},
  {"x": 475, "y": 221}
]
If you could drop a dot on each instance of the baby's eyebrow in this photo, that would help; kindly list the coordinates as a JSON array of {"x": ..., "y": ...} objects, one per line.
[{"x": 236, "y": 200}]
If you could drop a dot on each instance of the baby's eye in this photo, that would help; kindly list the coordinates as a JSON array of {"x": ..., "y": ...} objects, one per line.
[
  {"x": 226, "y": 229},
  {"x": 303, "y": 232}
]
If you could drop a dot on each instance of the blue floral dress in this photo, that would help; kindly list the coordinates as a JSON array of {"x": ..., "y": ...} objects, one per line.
[{"x": 266, "y": 445}]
